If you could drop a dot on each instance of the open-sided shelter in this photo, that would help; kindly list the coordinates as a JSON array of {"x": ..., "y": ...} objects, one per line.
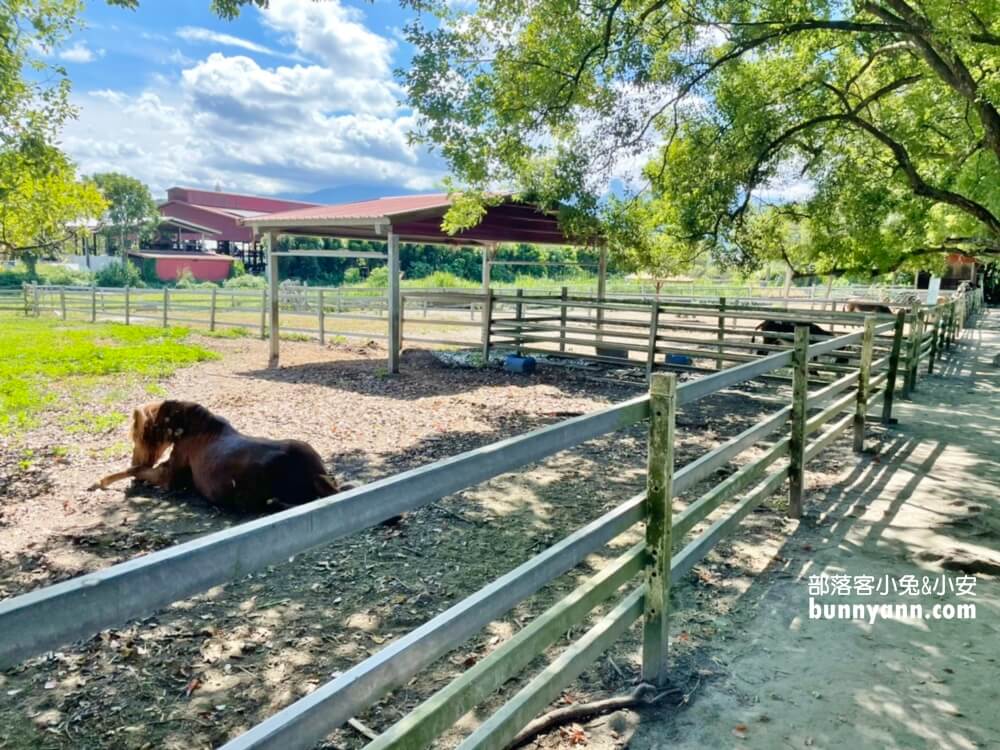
[{"x": 409, "y": 218}]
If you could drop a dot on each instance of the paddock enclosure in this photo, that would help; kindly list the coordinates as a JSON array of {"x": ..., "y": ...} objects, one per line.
[{"x": 644, "y": 546}]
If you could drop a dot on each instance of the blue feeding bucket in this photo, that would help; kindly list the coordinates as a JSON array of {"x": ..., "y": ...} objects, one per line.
[
  {"x": 678, "y": 359},
  {"x": 521, "y": 365}
]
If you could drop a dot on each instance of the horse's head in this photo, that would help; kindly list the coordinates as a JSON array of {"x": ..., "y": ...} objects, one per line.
[{"x": 151, "y": 434}]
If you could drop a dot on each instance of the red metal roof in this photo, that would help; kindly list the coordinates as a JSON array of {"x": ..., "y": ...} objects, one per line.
[
  {"x": 378, "y": 208},
  {"x": 417, "y": 218}
]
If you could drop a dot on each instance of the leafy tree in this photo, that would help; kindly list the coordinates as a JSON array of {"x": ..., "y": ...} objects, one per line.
[
  {"x": 882, "y": 114},
  {"x": 34, "y": 94},
  {"x": 40, "y": 212},
  {"x": 131, "y": 208}
]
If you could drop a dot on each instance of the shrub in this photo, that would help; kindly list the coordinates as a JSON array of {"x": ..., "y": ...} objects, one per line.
[
  {"x": 118, "y": 275},
  {"x": 185, "y": 279},
  {"x": 352, "y": 276},
  {"x": 245, "y": 282},
  {"x": 63, "y": 276},
  {"x": 237, "y": 269},
  {"x": 378, "y": 278}
]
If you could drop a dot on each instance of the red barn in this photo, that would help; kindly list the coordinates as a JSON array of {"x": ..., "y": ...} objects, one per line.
[{"x": 200, "y": 215}]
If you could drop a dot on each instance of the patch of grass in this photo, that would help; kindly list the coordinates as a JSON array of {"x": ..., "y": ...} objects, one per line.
[
  {"x": 295, "y": 337},
  {"x": 155, "y": 389},
  {"x": 226, "y": 333},
  {"x": 36, "y": 352},
  {"x": 92, "y": 422}
]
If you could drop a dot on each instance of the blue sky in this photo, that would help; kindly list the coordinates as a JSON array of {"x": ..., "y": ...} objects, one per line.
[{"x": 293, "y": 99}]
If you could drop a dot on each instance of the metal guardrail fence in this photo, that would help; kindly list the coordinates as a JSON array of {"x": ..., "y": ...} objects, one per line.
[{"x": 41, "y": 620}]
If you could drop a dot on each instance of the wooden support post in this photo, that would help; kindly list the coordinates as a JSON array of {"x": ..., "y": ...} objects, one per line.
[
  {"x": 321, "y": 318},
  {"x": 27, "y": 299},
  {"x": 212, "y": 309},
  {"x": 402, "y": 319},
  {"x": 487, "y": 324},
  {"x": 800, "y": 407},
  {"x": 936, "y": 315},
  {"x": 166, "y": 305},
  {"x": 93, "y": 304},
  {"x": 659, "y": 526},
  {"x": 719, "y": 364},
  {"x": 263, "y": 314},
  {"x": 127, "y": 314},
  {"x": 62, "y": 303},
  {"x": 519, "y": 316},
  {"x": 394, "y": 307},
  {"x": 36, "y": 298},
  {"x": 891, "y": 376},
  {"x": 654, "y": 325},
  {"x": 949, "y": 328},
  {"x": 864, "y": 380},
  {"x": 563, "y": 295},
  {"x": 274, "y": 292}
]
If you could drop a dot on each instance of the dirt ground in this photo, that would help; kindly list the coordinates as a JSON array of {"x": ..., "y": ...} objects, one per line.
[{"x": 208, "y": 668}]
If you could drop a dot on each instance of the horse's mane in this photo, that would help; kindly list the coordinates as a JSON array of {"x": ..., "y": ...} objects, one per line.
[{"x": 193, "y": 418}]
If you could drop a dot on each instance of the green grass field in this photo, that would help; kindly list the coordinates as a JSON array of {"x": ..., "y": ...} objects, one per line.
[{"x": 43, "y": 361}]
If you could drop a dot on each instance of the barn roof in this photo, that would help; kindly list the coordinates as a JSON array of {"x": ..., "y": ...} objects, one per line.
[{"x": 417, "y": 218}]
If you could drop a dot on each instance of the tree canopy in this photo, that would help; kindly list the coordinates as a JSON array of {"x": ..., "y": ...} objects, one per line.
[
  {"x": 868, "y": 127},
  {"x": 41, "y": 201},
  {"x": 131, "y": 207}
]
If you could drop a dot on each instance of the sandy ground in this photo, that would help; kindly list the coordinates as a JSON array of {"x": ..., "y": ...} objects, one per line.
[
  {"x": 206, "y": 669},
  {"x": 926, "y": 503}
]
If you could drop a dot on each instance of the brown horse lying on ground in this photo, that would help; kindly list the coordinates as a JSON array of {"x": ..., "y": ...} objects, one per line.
[
  {"x": 787, "y": 326},
  {"x": 858, "y": 305},
  {"x": 228, "y": 468},
  {"x": 783, "y": 326}
]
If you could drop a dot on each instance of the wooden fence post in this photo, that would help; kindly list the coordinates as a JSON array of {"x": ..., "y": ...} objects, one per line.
[
  {"x": 36, "y": 298},
  {"x": 127, "y": 312},
  {"x": 800, "y": 407},
  {"x": 212, "y": 309},
  {"x": 659, "y": 523},
  {"x": 891, "y": 376},
  {"x": 912, "y": 350},
  {"x": 864, "y": 380},
  {"x": 936, "y": 314},
  {"x": 919, "y": 337},
  {"x": 942, "y": 331},
  {"x": 263, "y": 313},
  {"x": 321, "y": 316},
  {"x": 563, "y": 295},
  {"x": 93, "y": 303},
  {"x": 166, "y": 305},
  {"x": 27, "y": 299},
  {"x": 518, "y": 316},
  {"x": 722, "y": 332},
  {"x": 487, "y": 324},
  {"x": 654, "y": 325},
  {"x": 62, "y": 303}
]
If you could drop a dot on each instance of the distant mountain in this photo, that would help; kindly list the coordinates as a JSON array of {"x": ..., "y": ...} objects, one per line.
[{"x": 347, "y": 194}]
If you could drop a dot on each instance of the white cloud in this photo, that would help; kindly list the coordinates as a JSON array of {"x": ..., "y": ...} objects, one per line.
[
  {"x": 332, "y": 34},
  {"x": 80, "y": 53},
  {"x": 332, "y": 118},
  {"x": 199, "y": 34}
]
